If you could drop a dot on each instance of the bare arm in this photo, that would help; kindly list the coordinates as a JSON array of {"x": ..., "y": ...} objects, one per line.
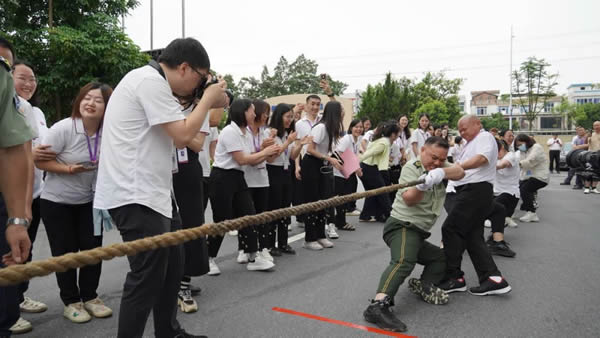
[
  {"x": 312, "y": 149},
  {"x": 454, "y": 172},
  {"x": 197, "y": 142},
  {"x": 212, "y": 148},
  {"x": 252, "y": 159},
  {"x": 474, "y": 162},
  {"x": 503, "y": 164}
]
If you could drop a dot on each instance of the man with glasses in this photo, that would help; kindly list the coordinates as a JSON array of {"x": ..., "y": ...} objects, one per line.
[{"x": 143, "y": 121}]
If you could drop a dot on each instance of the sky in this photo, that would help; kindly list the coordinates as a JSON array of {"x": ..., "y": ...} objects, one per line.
[{"x": 357, "y": 42}]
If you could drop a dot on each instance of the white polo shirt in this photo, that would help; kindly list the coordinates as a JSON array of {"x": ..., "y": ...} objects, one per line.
[
  {"x": 256, "y": 175},
  {"x": 303, "y": 128},
  {"x": 231, "y": 139},
  {"x": 554, "y": 143},
  {"x": 345, "y": 142},
  {"x": 68, "y": 139},
  {"x": 507, "y": 179},
  {"x": 42, "y": 129},
  {"x": 483, "y": 144},
  {"x": 283, "y": 160},
  {"x": 136, "y": 164},
  {"x": 204, "y": 155},
  {"x": 321, "y": 139}
]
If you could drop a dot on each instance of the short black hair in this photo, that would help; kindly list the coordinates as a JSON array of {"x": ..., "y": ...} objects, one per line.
[
  {"x": 502, "y": 145},
  {"x": 385, "y": 129},
  {"x": 34, "y": 100},
  {"x": 187, "y": 50},
  {"x": 457, "y": 140},
  {"x": 437, "y": 141},
  {"x": 6, "y": 44},
  {"x": 277, "y": 118},
  {"x": 313, "y": 96},
  {"x": 237, "y": 111},
  {"x": 503, "y": 132},
  {"x": 353, "y": 124},
  {"x": 528, "y": 140},
  {"x": 261, "y": 107}
]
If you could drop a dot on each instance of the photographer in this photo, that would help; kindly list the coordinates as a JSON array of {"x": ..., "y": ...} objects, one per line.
[
  {"x": 593, "y": 145},
  {"x": 554, "y": 147},
  {"x": 142, "y": 122}
]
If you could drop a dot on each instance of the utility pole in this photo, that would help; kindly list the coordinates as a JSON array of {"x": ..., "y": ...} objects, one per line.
[
  {"x": 183, "y": 18},
  {"x": 151, "y": 24},
  {"x": 510, "y": 82}
]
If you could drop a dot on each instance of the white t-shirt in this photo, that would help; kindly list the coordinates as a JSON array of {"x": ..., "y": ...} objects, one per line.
[
  {"x": 204, "y": 154},
  {"x": 483, "y": 144},
  {"x": 256, "y": 175},
  {"x": 283, "y": 160},
  {"x": 419, "y": 137},
  {"x": 137, "y": 153},
  {"x": 554, "y": 144},
  {"x": 38, "y": 183},
  {"x": 303, "y": 128},
  {"x": 321, "y": 139},
  {"x": 507, "y": 179},
  {"x": 68, "y": 139},
  {"x": 345, "y": 142},
  {"x": 39, "y": 132},
  {"x": 231, "y": 139}
]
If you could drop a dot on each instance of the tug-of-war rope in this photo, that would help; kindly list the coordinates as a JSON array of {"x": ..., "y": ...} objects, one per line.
[{"x": 16, "y": 274}]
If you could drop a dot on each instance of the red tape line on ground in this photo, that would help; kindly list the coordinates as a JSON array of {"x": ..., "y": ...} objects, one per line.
[{"x": 339, "y": 322}]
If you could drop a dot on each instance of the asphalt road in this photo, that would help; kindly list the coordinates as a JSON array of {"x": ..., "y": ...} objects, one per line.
[{"x": 554, "y": 278}]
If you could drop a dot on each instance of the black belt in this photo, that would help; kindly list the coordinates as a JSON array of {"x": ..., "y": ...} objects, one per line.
[{"x": 476, "y": 184}]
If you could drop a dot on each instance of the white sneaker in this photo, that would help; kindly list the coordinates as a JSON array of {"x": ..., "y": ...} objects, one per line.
[
  {"x": 487, "y": 223},
  {"x": 265, "y": 254},
  {"x": 76, "y": 313},
  {"x": 233, "y": 233},
  {"x": 259, "y": 264},
  {"x": 595, "y": 191},
  {"x": 21, "y": 326},
  {"x": 325, "y": 243},
  {"x": 530, "y": 217},
  {"x": 31, "y": 306},
  {"x": 300, "y": 224},
  {"x": 313, "y": 245},
  {"x": 331, "y": 233},
  {"x": 353, "y": 213},
  {"x": 185, "y": 301},
  {"x": 96, "y": 308},
  {"x": 510, "y": 222},
  {"x": 289, "y": 227},
  {"x": 213, "y": 268},
  {"x": 242, "y": 257},
  {"x": 586, "y": 190}
]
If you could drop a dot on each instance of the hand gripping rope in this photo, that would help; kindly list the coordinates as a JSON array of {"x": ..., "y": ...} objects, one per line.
[{"x": 16, "y": 274}]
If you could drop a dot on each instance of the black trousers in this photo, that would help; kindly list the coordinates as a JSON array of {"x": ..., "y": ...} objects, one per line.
[
  {"x": 344, "y": 187},
  {"x": 280, "y": 196},
  {"x": 377, "y": 206},
  {"x": 463, "y": 230},
  {"x": 297, "y": 190},
  {"x": 554, "y": 159},
  {"x": 230, "y": 198},
  {"x": 205, "y": 181},
  {"x": 9, "y": 295},
  {"x": 395, "y": 172},
  {"x": 316, "y": 186},
  {"x": 528, "y": 189},
  {"x": 70, "y": 228},
  {"x": 570, "y": 174},
  {"x": 497, "y": 217},
  {"x": 260, "y": 198},
  {"x": 155, "y": 276},
  {"x": 509, "y": 202}
]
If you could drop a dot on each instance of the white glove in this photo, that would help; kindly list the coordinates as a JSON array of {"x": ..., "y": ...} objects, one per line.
[
  {"x": 423, "y": 186},
  {"x": 436, "y": 176}
]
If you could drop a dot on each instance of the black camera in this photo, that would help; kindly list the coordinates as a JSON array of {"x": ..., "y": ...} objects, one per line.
[
  {"x": 205, "y": 84},
  {"x": 586, "y": 163}
]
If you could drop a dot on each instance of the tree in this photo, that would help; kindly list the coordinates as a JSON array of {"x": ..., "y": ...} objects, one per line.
[
  {"x": 297, "y": 77},
  {"x": 437, "y": 111},
  {"x": 81, "y": 42},
  {"x": 532, "y": 86},
  {"x": 496, "y": 120},
  {"x": 404, "y": 96},
  {"x": 567, "y": 110},
  {"x": 585, "y": 114}
]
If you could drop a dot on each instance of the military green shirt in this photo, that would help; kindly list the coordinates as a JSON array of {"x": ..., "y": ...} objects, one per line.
[
  {"x": 13, "y": 127},
  {"x": 424, "y": 214}
]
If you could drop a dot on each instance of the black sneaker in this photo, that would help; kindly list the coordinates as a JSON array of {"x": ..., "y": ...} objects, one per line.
[
  {"x": 195, "y": 290},
  {"x": 429, "y": 293},
  {"x": 379, "y": 313},
  {"x": 577, "y": 187},
  {"x": 286, "y": 249},
  {"x": 453, "y": 285},
  {"x": 501, "y": 249},
  {"x": 565, "y": 183},
  {"x": 183, "y": 334},
  {"x": 491, "y": 287},
  {"x": 275, "y": 252}
]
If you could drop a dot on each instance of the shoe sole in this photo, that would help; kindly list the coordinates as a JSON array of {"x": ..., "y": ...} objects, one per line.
[
  {"x": 33, "y": 311},
  {"x": 260, "y": 269},
  {"x": 460, "y": 289},
  {"x": 213, "y": 273},
  {"x": 502, "y": 291},
  {"x": 503, "y": 254}
]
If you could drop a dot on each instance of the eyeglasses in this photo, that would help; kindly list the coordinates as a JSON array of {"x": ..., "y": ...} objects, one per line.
[{"x": 203, "y": 77}]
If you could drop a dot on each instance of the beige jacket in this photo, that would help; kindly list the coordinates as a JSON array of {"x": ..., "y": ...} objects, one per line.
[{"x": 534, "y": 163}]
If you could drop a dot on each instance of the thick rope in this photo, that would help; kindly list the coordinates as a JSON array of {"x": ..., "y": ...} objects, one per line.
[{"x": 16, "y": 274}]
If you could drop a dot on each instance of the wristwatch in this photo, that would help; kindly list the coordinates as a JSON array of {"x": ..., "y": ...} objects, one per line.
[{"x": 18, "y": 221}]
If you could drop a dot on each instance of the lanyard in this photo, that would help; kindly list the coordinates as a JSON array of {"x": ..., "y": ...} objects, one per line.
[
  {"x": 94, "y": 156},
  {"x": 255, "y": 140},
  {"x": 354, "y": 144}
]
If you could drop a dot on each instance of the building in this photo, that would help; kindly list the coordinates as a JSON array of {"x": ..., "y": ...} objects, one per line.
[
  {"x": 580, "y": 93},
  {"x": 488, "y": 102}
]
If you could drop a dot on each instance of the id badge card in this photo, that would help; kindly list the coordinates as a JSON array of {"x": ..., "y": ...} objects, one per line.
[
  {"x": 182, "y": 155},
  {"x": 174, "y": 165}
]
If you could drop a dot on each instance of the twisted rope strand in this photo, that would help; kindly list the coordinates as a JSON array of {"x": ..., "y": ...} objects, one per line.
[{"x": 16, "y": 274}]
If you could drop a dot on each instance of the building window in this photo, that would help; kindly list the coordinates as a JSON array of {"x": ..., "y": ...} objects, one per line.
[
  {"x": 550, "y": 122},
  {"x": 549, "y": 107},
  {"x": 582, "y": 88},
  {"x": 481, "y": 110},
  {"x": 597, "y": 100},
  {"x": 503, "y": 109},
  {"x": 461, "y": 106}
]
